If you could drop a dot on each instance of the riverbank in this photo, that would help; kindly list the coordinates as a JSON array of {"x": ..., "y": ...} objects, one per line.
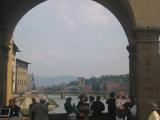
[{"x": 25, "y": 100}]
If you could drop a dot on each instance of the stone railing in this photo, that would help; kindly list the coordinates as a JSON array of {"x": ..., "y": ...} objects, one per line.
[
  {"x": 16, "y": 118},
  {"x": 60, "y": 116}
]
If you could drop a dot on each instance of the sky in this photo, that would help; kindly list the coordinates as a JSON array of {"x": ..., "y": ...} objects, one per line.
[{"x": 72, "y": 37}]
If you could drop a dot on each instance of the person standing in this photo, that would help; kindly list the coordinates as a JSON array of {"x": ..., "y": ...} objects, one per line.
[
  {"x": 122, "y": 106},
  {"x": 30, "y": 106},
  {"x": 133, "y": 109},
  {"x": 40, "y": 110},
  {"x": 111, "y": 107},
  {"x": 153, "y": 109},
  {"x": 68, "y": 106},
  {"x": 83, "y": 107},
  {"x": 14, "y": 108},
  {"x": 11, "y": 106},
  {"x": 97, "y": 108},
  {"x": 91, "y": 100}
]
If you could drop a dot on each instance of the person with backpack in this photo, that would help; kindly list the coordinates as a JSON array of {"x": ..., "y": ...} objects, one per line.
[{"x": 97, "y": 108}]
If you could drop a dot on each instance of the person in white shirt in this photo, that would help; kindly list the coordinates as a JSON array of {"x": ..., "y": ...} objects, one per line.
[
  {"x": 154, "y": 114},
  {"x": 121, "y": 105}
]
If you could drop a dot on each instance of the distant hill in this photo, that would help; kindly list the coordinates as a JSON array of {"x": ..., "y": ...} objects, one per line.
[{"x": 55, "y": 80}]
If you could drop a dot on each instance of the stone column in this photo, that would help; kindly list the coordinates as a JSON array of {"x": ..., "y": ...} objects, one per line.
[
  {"x": 3, "y": 75},
  {"x": 5, "y": 71},
  {"x": 132, "y": 70},
  {"x": 147, "y": 70}
]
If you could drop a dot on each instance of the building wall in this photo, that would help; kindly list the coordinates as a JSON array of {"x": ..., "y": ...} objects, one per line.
[
  {"x": 31, "y": 82},
  {"x": 146, "y": 12},
  {"x": 13, "y": 72},
  {"x": 21, "y": 76}
]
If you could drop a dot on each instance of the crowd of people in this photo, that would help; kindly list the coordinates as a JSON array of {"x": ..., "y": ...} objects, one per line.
[{"x": 120, "y": 107}]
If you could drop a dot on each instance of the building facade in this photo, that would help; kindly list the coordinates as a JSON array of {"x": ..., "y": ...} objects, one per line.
[
  {"x": 31, "y": 82},
  {"x": 15, "y": 50},
  {"x": 22, "y": 76}
]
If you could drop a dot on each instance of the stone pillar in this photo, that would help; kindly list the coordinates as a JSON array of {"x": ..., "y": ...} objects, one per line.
[
  {"x": 62, "y": 95},
  {"x": 3, "y": 75},
  {"x": 132, "y": 71},
  {"x": 146, "y": 70},
  {"x": 5, "y": 71},
  {"x": 10, "y": 73}
]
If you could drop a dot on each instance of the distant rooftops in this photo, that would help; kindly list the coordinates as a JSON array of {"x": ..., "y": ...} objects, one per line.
[
  {"x": 15, "y": 47},
  {"x": 22, "y": 61}
]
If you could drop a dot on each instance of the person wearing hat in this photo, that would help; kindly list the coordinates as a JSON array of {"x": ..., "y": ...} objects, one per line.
[{"x": 154, "y": 114}]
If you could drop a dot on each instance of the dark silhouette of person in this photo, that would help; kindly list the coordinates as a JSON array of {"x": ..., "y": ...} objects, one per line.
[
  {"x": 97, "y": 108},
  {"x": 30, "y": 106},
  {"x": 111, "y": 107},
  {"x": 14, "y": 108},
  {"x": 40, "y": 110},
  {"x": 91, "y": 100},
  {"x": 83, "y": 107},
  {"x": 132, "y": 110},
  {"x": 68, "y": 106}
]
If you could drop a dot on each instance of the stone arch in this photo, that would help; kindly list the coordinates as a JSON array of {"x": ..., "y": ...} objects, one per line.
[
  {"x": 119, "y": 8},
  {"x": 140, "y": 20},
  {"x": 11, "y": 13}
]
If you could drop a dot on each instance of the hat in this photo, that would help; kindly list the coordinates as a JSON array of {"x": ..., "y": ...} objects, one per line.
[{"x": 153, "y": 105}]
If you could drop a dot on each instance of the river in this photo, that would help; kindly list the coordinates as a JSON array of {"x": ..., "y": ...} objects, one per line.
[{"x": 61, "y": 102}]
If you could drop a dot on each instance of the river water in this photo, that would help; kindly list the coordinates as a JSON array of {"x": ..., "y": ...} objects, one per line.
[{"x": 61, "y": 102}]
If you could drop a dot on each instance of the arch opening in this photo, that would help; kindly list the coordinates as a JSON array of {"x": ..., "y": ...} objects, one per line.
[{"x": 72, "y": 26}]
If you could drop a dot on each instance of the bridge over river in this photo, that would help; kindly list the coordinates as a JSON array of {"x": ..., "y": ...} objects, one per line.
[{"x": 62, "y": 94}]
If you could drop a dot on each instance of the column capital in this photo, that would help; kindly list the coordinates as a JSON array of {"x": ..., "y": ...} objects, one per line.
[{"x": 146, "y": 34}]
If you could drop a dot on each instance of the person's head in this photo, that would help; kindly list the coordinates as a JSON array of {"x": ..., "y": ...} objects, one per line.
[
  {"x": 83, "y": 98},
  {"x": 33, "y": 100},
  {"x": 98, "y": 98},
  {"x": 69, "y": 99},
  {"x": 91, "y": 99},
  {"x": 11, "y": 103},
  {"x": 42, "y": 100},
  {"x": 153, "y": 106},
  {"x": 112, "y": 95},
  {"x": 121, "y": 94}
]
